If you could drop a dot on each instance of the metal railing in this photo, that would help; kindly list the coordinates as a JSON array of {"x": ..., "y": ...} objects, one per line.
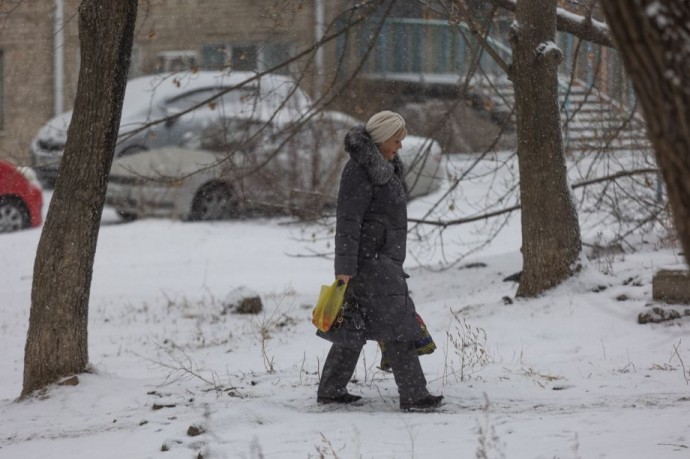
[
  {"x": 435, "y": 51},
  {"x": 426, "y": 48}
]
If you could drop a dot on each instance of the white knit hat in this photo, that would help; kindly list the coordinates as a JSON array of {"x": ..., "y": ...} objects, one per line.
[{"x": 384, "y": 125}]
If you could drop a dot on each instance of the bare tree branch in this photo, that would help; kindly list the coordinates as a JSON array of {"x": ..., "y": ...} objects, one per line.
[
  {"x": 583, "y": 27},
  {"x": 475, "y": 218},
  {"x": 615, "y": 176},
  {"x": 481, "y": 36}
]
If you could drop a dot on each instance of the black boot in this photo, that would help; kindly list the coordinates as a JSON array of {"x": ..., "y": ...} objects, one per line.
[
  {"x": 343, "y": 399},
  {"x": 428, "y": 403}
]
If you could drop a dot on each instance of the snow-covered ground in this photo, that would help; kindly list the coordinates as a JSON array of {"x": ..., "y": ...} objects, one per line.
[{"x": 569, "y": 375}]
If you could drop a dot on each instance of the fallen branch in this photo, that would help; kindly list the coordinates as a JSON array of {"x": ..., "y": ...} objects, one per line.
[{"x": 517, "y": 207}]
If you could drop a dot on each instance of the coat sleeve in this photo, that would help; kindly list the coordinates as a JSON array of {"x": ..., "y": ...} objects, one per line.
[{"x": 355, "y": 195}]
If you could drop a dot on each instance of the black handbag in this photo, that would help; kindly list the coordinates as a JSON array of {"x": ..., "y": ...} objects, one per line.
[{"x": 348, "y": 329}]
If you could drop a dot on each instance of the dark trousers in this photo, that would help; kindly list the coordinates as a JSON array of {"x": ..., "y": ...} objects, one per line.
[{"x": 404, "y": 361}]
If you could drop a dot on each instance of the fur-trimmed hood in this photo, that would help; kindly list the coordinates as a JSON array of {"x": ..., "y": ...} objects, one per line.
[{"x": 362, "y": 149}]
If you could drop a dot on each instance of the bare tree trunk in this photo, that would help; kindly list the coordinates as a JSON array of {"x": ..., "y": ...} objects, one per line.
[
  {"x": 653, "y": 38},
  {"x": 550, "y": 229},
  {"x": 56, "y": 343}
]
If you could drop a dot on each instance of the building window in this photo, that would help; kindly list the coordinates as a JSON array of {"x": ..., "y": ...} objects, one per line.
[
  {"x": 2, "y": 92},
  {"x": 237, "y": 57},
  {"x": 247, "y": 57},
  {"x": 244, "y": 57},
  {"x": 176, "y": 61},
  {"x": 274, "y": 54},
  {"x": 215, "y": 57}
]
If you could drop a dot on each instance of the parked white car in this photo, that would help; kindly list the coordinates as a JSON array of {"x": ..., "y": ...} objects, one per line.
[
  {"x": 157, "y": 97},
  {"x": 248, "y": 165}
]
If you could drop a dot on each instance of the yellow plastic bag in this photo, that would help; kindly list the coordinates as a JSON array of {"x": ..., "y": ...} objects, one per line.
[{"x": 329, "y": 305}]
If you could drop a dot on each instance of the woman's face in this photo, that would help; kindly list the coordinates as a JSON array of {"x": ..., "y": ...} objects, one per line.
[{"x": 390, "y": 147}]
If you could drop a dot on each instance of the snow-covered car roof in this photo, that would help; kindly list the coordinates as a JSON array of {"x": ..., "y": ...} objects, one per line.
[
  {"x": 146, "y": 91},
  {"x": 144, "y": 94}
]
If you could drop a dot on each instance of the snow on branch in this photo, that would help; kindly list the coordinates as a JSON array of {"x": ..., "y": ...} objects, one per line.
[
  {"x": 583, "y": 27},
  {"x": 549, "y": 51}
]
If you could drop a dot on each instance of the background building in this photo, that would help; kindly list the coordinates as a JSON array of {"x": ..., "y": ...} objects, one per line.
[
  {"x": 39, "y": 50},
  {"x": 417, "y": 56}
]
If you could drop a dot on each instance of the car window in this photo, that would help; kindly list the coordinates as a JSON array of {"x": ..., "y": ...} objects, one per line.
[
  {"x": 327, "y": 134},
  {"x": 284, "y": 94},
  {"x": 229, "y": 135},
  {"x": 317, "y": 136},
  {"x": 227, "y": 100}
]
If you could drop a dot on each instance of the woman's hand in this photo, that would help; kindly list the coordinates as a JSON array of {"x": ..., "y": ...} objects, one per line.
[{"x": 343, "y": 278}]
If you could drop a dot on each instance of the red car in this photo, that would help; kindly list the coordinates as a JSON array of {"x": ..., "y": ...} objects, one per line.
[{"x": 21, "y": 198}]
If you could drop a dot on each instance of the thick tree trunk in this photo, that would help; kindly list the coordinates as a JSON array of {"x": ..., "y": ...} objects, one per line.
[
  {"x": 550, "y": 229},
  {"x": 653, "y": 37},
  {"x": 56, "y": 344}
]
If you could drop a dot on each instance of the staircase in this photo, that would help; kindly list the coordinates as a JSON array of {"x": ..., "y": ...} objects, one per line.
[
  {"x": 591, "y": 120},
  {"x": 428, "y": 53}
]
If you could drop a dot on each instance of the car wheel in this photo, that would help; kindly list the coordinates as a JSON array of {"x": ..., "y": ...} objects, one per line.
[
  {"x": 214, "y": 202},
  {"x": 13, "y": 215},
  {"x": 126, "y": 216}
]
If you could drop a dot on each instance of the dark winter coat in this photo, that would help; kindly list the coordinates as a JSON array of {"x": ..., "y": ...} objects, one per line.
[{"x": 371, "y": 238}]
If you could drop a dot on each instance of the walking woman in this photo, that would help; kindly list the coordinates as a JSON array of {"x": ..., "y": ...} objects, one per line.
[{"x": 370, "y": 248}]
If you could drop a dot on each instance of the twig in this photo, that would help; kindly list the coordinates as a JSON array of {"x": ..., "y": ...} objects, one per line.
[
  {"x": 685, "y": 373},
  {"x": 179, "y": 370}
]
